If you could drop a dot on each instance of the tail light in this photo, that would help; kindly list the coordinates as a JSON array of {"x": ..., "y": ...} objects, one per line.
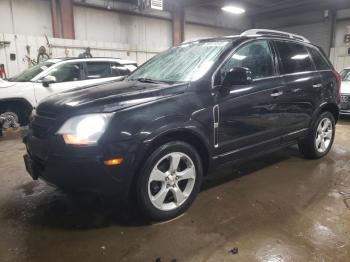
[{"x": 338, "y": 78}]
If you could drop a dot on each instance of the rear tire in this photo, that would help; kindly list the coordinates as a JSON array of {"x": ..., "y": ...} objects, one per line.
[
  {"x": 169, "y": 181},
  {"x": 320, "y": 139}
]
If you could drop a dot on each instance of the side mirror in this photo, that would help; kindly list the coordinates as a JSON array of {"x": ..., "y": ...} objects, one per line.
[
  {"x": 238, "y": 76},
  {"x": 47, "y": 80}
]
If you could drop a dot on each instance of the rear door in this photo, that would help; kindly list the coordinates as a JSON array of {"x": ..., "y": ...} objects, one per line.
[
  {"x": 102, "y": 71},
  {"x": 303, "y": 85},
  {"x": 248, "y": 115}
]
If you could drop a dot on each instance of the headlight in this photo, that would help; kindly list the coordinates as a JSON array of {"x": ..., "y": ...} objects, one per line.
[{"x": 84, "y": 129}]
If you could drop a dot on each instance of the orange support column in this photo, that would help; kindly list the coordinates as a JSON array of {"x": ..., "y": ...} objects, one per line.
[{"x": 178, "y": 24}]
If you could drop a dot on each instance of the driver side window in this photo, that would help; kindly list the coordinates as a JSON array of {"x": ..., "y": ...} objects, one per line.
[
  {"x": 256, "y": 56},
  {"x": 67, "y": 72}
]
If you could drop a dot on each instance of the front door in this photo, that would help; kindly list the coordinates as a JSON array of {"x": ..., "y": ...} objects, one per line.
[
  {"x": 68, "y": 76},
  {"x": 249, "y": 115}
]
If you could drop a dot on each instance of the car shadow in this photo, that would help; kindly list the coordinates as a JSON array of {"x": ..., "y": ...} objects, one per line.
[
  {"x": 249, "y": 166},
  {"x": 44, "y": 206},
  {"x": 13, "y": 134},
  {"x": 344, "y": 119}
]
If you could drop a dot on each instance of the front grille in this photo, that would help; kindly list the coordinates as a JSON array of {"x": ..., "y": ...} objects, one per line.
[
  {"x": 345, "y": 98},
  {"x": 345, "y": 102},
  {"x": 42, "y": 124}
]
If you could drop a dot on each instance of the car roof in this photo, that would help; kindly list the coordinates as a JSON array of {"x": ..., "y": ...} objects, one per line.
[{"x": 96, "y": 59}]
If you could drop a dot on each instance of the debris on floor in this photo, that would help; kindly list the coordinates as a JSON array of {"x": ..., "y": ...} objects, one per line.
[{"x": 233, "y": 251}]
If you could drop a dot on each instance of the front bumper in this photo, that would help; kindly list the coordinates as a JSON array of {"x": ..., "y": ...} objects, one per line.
[
  {"x": 344, "y": 112},
  {"x": 345, "y": 104},
  {"x": 81, "y": 169}
]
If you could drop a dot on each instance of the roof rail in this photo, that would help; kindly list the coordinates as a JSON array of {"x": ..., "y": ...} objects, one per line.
[{"x": 274, "y": 33}]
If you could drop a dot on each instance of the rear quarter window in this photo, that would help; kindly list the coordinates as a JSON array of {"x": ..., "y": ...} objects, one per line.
[
  {"x": 319, "y": 60},
  {"x": 120, "y": 70},
  {"x": 294, "y": 57}
]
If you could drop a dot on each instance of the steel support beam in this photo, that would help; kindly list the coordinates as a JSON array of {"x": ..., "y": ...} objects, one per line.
[
  {"x": 178, "y": 24},
  {"x": 67, "y": 19},
  {"x": 54, "y": 19}
]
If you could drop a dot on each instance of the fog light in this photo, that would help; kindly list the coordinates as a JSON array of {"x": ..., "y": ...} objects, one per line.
[{"x": 113, "y": 162}]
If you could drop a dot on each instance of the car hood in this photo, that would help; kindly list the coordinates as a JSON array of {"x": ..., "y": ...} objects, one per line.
[
  {"x": 345, "y": 87},
  {"x": 108, "y": 97},
  {"x": 6, "y": 84}
]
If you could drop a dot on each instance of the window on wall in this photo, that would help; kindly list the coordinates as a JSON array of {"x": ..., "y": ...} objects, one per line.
[
  {"x": 295, "y": 58},
  {"x": 256, "y": 56},
  {"x": 320, "y": 62}
]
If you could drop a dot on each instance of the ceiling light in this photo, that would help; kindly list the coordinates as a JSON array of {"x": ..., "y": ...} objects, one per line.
[{"x": 233, "y": 9}]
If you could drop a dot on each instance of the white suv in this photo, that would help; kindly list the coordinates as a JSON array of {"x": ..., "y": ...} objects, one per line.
[{"x": 20, "y": 94}]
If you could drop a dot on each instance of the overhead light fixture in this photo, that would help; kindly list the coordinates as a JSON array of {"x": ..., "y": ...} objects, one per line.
[{"x": 233, "y": 9}]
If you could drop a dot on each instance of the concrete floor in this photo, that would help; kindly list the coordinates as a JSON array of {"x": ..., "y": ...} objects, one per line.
[{"x": 277, "y": 208}]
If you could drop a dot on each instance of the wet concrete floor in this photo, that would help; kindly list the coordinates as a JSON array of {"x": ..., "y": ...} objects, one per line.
[{"x": 280, "y": 207}]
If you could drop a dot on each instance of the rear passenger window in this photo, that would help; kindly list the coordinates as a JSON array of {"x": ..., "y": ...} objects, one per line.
[
  {"x": 98, "y": 70},
  {"x": 319, "y": 61},
  {"x": 295, "y": 58}
]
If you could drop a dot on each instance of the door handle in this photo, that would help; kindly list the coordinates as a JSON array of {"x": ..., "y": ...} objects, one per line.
[
  {"x": 317, "y": 85},
  {"x": 277, "y": 93}
]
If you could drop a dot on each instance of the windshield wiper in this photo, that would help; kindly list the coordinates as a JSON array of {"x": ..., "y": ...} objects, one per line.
[{"x": 148, "y": 80}]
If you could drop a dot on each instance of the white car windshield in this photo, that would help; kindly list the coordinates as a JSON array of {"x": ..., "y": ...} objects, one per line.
[
  {"x": 187, "y": 62},
  {"x": 345, "y": 75},
  {"x": 29, "y": 74}
]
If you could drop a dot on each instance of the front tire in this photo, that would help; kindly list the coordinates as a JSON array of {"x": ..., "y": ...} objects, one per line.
[
  {"x": 320, "y": 139},
  {"x": 11, "y": 119},
  {"x": 169, "y": 181}
]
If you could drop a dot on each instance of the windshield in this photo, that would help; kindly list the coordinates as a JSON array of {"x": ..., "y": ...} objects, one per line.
[
  {"x": 345, "y": 75},
  {"x": 187, "y": 62},
  {"x": 29, "y": 74}
]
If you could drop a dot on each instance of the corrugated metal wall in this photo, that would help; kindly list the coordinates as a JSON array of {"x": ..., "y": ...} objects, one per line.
[
  {"x": 193, "y": 31},
  {"x": 25, "y": 17},
  {"x": 142, "y": 33}
]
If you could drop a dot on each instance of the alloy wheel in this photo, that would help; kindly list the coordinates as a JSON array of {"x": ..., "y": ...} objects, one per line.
[
  {"x": 171, "y": 181},
  {"x": 324, "y": 135}
]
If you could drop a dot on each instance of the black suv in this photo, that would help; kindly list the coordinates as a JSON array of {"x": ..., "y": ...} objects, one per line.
[{"x": 187, "y": 111}]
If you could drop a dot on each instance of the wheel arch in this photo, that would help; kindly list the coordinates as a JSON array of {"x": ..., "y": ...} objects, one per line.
[
  {"x": 21, "y": 104},
  {"x": 332, "y": 108},
  {"x": 189, "y": 136},
  {"x": 184, "y": 135}
]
